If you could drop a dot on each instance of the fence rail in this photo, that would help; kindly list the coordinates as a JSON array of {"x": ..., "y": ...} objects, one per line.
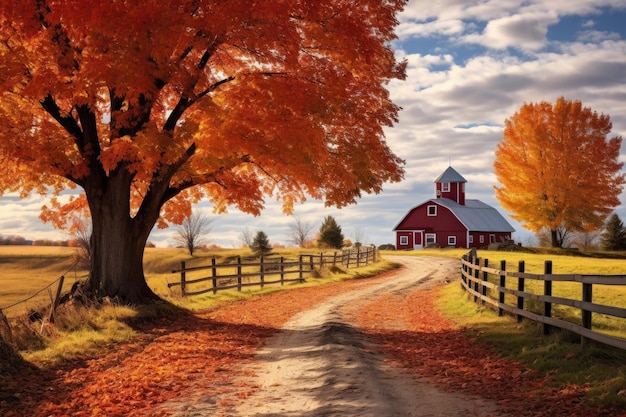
[
  {"x": 43, "y": 296},
  {"x": 244, "y": 273},
  {"x": 37, "y": 300},
  {"x": 489, "y": 286}
]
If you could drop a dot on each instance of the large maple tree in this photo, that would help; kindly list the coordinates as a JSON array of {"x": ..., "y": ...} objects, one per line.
[
  {"x": 148, "y": 107},
  {"x": 559, "y": 168}
]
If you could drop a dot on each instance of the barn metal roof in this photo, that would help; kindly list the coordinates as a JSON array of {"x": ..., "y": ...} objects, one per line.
[
  {"x": 476, "y": 215},
  {"x": 450, "y": 175}
]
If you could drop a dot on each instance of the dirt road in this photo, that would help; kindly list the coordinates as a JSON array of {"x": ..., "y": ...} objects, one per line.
[{"x": 319, "y": 364}]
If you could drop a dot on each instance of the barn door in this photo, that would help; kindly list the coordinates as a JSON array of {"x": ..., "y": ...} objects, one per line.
[{"x": 418, "y": 239}]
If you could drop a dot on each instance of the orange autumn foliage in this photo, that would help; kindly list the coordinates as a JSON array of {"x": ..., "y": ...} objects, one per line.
[
  {"x": 558, "y": 168},
  {"x": 148, "y": 107}
]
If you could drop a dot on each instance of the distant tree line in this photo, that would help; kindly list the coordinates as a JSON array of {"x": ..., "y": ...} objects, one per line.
[{"x": 13, "y": 240}]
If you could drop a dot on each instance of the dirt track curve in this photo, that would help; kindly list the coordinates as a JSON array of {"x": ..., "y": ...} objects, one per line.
[{"x": 320, "y": 364}]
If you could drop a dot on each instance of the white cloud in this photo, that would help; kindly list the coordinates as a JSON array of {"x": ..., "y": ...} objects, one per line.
[
  {"x": 525, "y": 32},
  {"x": 432, "y": 28}
]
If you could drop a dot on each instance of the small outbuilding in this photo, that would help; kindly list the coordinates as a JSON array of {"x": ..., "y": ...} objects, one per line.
[{"x": 451, "y": 220}]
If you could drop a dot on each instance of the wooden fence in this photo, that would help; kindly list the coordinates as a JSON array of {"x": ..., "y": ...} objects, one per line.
[
  {"x": 264, "y": 271},
  {"x": 492, "y": 286},
  {"x": 350, "y": 258},
  {"x": 38, "y": 300}
]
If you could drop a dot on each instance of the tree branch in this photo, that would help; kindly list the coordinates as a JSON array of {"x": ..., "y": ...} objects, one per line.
[{"x": 67, "y": 122}]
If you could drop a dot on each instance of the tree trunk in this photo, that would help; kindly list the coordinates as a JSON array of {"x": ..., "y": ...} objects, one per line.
[
  {"x": 117, "y": 243},
  {"x": 556, "y": 241}
]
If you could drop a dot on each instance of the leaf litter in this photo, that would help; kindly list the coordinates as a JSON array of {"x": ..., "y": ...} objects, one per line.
[{"x": 207, "y": 357}]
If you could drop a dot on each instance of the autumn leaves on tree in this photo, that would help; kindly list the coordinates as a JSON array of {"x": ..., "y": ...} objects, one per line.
[
  {"x": 151, "y": 106},
  {"x": 558, "y": 169}
]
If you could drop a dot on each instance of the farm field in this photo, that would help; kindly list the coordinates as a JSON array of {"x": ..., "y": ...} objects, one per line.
[
  {"x": 26, "y": 270},
  {"x": 30, "y": 271},
  {"x": 34, "y": 271}
]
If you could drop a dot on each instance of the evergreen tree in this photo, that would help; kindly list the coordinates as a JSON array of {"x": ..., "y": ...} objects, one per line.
[
  {"x": 614, "y": 236},
  {"x": 330, "y": 234},
  {"x": 261, "y": 244}
]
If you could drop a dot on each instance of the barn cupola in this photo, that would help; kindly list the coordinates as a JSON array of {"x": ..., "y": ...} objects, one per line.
[{"x": 451, "y": 185}]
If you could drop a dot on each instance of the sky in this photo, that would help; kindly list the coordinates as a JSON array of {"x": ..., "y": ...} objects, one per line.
[{"x": 471, "y": 65}]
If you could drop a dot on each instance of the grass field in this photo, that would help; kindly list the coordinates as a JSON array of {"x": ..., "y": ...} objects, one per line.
[{"x": 27, "y": 270}]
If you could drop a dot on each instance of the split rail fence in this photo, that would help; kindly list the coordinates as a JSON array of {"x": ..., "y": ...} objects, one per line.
[
  {"x": 264, "y": 271},
  {"x": 522, "y": 295}
]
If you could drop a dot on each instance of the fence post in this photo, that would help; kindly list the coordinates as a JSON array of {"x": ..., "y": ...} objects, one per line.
[
  {"x": 586, "y": 314},
  {"x": 485, "y": 279},
  {"x": 502, "y": 285},
  {"x": 463, "y": 270},
  {"x": 335, "y": 258},
  {"x": 8, "y": 334},
  {"x": 469, "y": 269},
  {"x": 358, "y": 256},
  {"x": 282, "y": 270},
  {"x": 476, "y": 276},
  {"x": 214, "y": 275},
  {"x": 57, "y": 297},
  {"x": 183, "y": 284},
  {"x": 300, "y": 275},
  {"x": 547, "y": 291},
  {"x": 239, "y": 273},
  {"x": 520, "y": 287},
  {"x": 311, "y": 264},
  {"x": 262, "y": 271}
]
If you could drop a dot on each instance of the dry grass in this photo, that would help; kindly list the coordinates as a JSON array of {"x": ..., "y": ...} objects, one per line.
[
  {"x": 29, "y": 269},
  {"x": 84, "y": 330}
]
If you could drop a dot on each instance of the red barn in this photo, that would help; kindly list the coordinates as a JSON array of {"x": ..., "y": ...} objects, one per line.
[{"x": 450, "y": 220}]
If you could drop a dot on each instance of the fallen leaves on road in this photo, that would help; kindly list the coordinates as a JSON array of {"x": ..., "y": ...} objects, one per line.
[
  {"x": 172, "y": 358},
  {"x": 201, "y": 355},
  {"x": 431, "y": 347}
]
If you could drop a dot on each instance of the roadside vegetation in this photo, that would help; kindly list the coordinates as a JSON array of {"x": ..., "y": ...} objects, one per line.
[
  {"x": 559, "y": 356},
  {"x": 85, "y": 329}
]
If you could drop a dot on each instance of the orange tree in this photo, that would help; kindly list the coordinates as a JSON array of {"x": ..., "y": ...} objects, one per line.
[
  {"x": 147, "y": 107},
  {"x": 558, "y": 169}
]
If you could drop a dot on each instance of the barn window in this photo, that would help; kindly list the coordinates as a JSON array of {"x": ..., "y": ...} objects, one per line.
[
  {"x": 492, "y": 238},
  {"x": 404, "y": 240},
  {"x": 451, "y": 240},
  {"x": 471, "y": 239},
  {"x": 431, "y": 239},
  {"x": 482, "y": 239},
  {"x": 432, "y": 210},
  {"x": 445, "y": 187}
]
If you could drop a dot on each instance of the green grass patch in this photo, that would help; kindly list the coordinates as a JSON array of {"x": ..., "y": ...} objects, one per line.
[
  {"x": 559, "y": 357},
  {"x": 77, "y": 331},
  {"x": 326, "y": 275}
]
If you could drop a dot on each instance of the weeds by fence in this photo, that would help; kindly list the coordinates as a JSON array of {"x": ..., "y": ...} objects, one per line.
[
  {"x": 531, "y": 300},
  {"x": 264, "y": 271},
  {"x": 33, "y": 303}
]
